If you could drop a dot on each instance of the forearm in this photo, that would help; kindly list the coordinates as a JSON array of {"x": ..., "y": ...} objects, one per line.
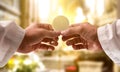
[{"x": 10, "y": 40}]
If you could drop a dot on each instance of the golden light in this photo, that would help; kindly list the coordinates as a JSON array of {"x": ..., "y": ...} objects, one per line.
[
  {"x": 54, "y": 4},
  {"x": 100, "y": 7},
  {"x": 28, "y": 62},
  {"x": 60, "y": 11},
  {"x": 91, "y": 5},
  {"x": 44, "y": 9},
  {"x": 48, "y": 9},
  {"x": 80, "y": 16},
  {"x": 96, "y": 7}
]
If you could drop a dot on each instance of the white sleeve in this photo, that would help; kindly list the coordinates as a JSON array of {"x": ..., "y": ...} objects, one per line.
[
  {"x": 11, "y": 36},
  {"x": 109, "y": 37}
]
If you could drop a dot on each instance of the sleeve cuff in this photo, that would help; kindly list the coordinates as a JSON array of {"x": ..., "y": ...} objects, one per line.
[
  {"x": 11, "y": 42},
  {"x": 109, "y": 43}
]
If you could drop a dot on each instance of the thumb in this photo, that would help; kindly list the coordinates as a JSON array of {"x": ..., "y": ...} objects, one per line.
[{"x": 71, "y": 31}]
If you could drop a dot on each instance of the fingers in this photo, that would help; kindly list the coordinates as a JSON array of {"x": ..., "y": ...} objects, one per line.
[
  {"x": 72, "y": 31},
  {"x": 46, "y": 26},
  {"x": 49, "y": 36},
  {"x": 44, "y": 47},
  {"x": 72, "y": 36},
  {"x": 75, "y": 41},
  {"x": 78, "y": 24},
  {"x": 51, "y": 41},
  {"x": 78, "y": 47},
  {"x": 79, "y": 29},
  {"x": 64, "y": 38},
  {"x": 48, "y": 29}
]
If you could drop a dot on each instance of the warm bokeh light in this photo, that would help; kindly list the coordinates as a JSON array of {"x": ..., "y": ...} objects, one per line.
[
  {"x": 100, "y": 7},
  {"x": 91, "y": 5},
  {"x": 44, "y": 9},
  {"x": 48, "y": 9},
  {"x": 95, "y": 6},
  {"x": 79, "y": 16},
  {"x": 60, "y": 11}
]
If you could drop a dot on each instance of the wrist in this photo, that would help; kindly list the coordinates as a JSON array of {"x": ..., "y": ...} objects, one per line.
[
  {"x": 22, "y": 45},
  {"x": 97, "y": 42}
]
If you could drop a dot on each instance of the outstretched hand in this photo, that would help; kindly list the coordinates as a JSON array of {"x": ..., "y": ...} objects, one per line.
[
  {"x": 82, "y": 35},
  {"x": 42, "y": 36},
  {"x": 36, "y": 37}
]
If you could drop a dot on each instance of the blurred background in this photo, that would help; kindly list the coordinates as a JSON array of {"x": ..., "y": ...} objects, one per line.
[{"x": 64, "y": 58}]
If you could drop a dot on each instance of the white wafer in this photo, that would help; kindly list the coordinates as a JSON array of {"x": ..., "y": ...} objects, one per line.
[{"x": 60, "y": 23}]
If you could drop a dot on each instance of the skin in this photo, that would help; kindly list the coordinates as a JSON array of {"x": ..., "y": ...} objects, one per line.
[
  {"x": 82, "y": 35},
  {"x": 39, "y": 36}
]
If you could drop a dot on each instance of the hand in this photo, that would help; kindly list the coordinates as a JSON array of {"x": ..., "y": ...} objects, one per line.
[
  {"x": 36, "y": 35},
  {"x": 82, "y": 35}
]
